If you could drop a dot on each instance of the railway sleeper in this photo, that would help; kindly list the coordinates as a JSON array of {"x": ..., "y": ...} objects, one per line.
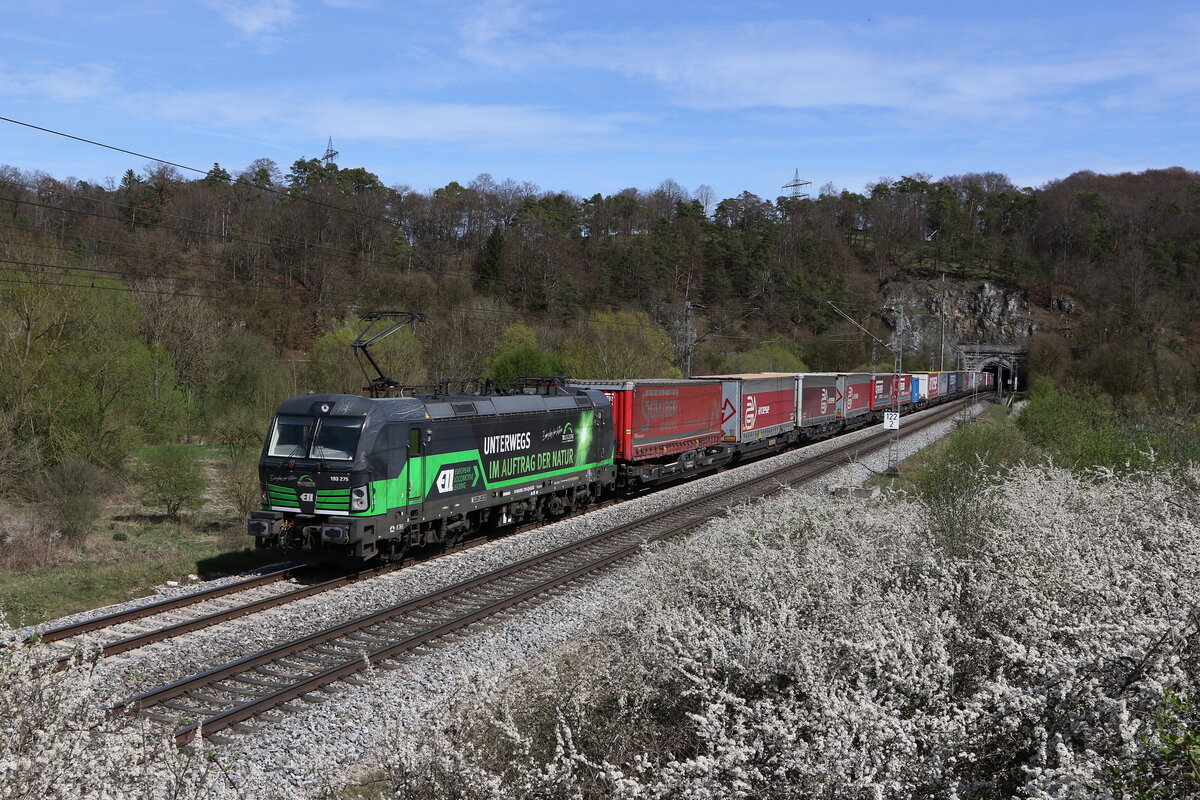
[
  {"x": 311, "y": 659},
  {"x": 366, "y": 638},
  {"x": 182, "y": 704},
  {"x": 254, "y": 680},
  {"x": 269, "y": 670},
  {"x": 395, "y": 663},
  {"x": 331, "y": 651},
  {"x": 209, "y": 699},
  {"x": 224, "y": 687}
]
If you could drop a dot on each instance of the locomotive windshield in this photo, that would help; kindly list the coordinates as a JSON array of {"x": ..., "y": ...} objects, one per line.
[
  {"x": 337, "y": 438},
  {"x": 334, "y": 438}
]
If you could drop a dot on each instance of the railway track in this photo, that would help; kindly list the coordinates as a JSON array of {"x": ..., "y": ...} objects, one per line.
[
  {"x": 174, "y": 626},
  {"x": 165, "y": 606},
  {"x": 256, "y": 686}
]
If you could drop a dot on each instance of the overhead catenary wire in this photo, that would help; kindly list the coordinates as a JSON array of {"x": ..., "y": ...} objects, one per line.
[
  {"x": 239, "y": 182},
  {"x": 177, "y": 165},
  {"x": 305, "y": 246}
]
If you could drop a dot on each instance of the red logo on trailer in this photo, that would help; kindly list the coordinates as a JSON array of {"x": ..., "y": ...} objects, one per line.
[{"x": 751, "y": 411}]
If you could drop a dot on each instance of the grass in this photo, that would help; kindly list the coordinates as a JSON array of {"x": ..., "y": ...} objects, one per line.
[
  {"x": 129, "y": 550},
  {"x": 122, "y": 559}
]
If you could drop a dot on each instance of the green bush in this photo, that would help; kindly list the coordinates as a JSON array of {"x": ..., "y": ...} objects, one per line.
[
  {"x": 1171, "y": 766},
  {"x": 950, "y": 482},
  {"x": 71, "y": 491},
  {"x": 525, "y": 361},
  {"x": 1080, "y": 429},
  {"x": 172, "y": 478}
]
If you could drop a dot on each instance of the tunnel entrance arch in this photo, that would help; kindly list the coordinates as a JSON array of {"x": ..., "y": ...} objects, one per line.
[{"x": 1005, "y": 361}]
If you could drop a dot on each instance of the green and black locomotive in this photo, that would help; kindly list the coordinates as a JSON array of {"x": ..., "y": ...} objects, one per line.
[{"x": 359, "y": 477}]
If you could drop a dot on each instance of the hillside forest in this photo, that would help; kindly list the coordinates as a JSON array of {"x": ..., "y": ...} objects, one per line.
[{"x": 164, "y": 308}]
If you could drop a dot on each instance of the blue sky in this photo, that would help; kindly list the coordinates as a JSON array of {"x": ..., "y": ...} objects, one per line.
[{"x": 596, "y": 97}]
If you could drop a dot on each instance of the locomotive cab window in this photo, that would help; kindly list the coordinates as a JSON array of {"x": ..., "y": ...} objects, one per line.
[
  {"x": 290, "y": 435},
  {"x": 334, "y": 439},
  {"x": 337, "y": 438}
]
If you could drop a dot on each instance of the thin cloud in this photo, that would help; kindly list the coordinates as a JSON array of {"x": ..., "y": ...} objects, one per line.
[
  {"x": 377, "y": 120},
  {"x": 256, "y": 19},
  {"x": 63, "y": 84},
  {"x": 890, "y": 65},
  {"x": 491, "y": 33}
]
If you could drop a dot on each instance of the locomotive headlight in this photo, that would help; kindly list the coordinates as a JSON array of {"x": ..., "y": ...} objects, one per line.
[{"x": 360, "y": 499}]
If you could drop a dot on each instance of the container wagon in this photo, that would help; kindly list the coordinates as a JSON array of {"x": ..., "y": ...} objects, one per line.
[
  {"x": 758, "y": 410},
  {"x": 818, "y": 401},
  {"x": 664, "y": 429},
  {"x": 856, "y": 390}
]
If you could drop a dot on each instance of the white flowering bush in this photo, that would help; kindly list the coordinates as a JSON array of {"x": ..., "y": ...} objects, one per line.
[
  {"x": 838, "y": 650},
  {"x": 57, "y": 740}
]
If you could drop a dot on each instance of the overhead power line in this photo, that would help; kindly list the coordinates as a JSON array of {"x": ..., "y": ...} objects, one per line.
[{"x": 189, "y": 168}]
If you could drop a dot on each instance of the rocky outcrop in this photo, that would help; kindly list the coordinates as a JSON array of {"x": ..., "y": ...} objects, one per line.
[{"x": 975, "y": 313}]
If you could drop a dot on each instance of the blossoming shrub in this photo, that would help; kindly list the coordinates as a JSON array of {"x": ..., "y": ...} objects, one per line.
[
  {"x": 57, "y": 742},
  {"x": 818, "y": 650}
]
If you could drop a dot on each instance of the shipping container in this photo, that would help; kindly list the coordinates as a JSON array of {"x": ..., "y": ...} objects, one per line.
[
  {"x": 855, "y": 389},
  {"x": 890, "y": 389},
  {"x": 929, "y": 385},
  {"x": 659, "y": 418},
  {"x": 953, "y": 388},
  {"x": 943, "y": 384},
  {"x": 819, "y": 399},
  {"x": 756, "y": 406}
]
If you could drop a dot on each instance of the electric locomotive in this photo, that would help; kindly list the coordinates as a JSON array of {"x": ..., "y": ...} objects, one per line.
[{"x": 359, "y": 477}]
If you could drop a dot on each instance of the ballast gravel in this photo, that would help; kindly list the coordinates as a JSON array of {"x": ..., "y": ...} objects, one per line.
[{"x": 348, "y": 729}]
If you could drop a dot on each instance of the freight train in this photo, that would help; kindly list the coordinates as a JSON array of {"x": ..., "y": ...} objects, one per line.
[{"x": 357, "y": 477}]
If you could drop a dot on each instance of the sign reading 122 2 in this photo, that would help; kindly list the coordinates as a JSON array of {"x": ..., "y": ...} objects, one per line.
[{"x": 891, "y": 420}]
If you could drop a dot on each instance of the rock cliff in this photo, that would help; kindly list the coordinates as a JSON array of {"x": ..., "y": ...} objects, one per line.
[{"x": 975, "y": 313}]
